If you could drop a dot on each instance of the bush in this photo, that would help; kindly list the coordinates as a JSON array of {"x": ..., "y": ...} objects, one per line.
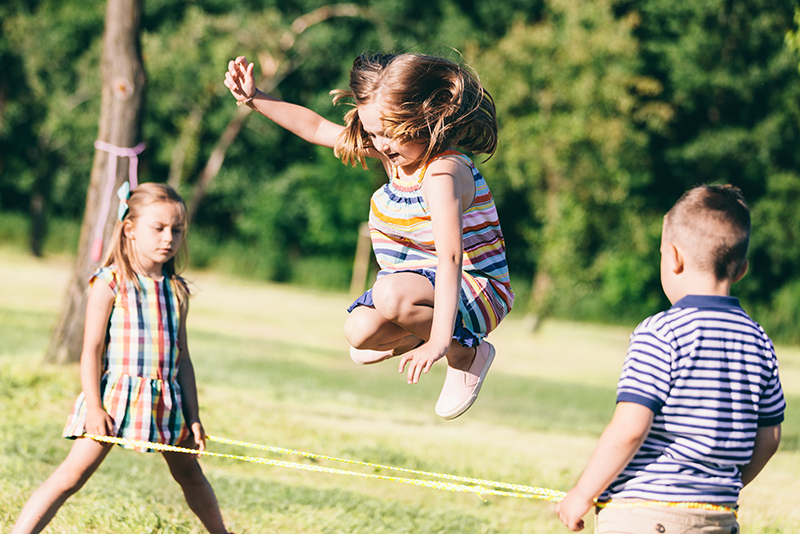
[
  {"x": 61, "y": 237},
  {"x": 781, "y": 317}
]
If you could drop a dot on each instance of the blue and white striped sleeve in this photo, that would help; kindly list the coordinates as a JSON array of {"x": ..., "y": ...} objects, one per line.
[
  {"x": 646, "y": 377},
  {"x": 772, "y": 406}
]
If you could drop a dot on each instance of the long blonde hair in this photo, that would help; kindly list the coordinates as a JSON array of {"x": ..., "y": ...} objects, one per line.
[
  {"x": 120, "y": 252},
  {"x": 426, "y": 98}
]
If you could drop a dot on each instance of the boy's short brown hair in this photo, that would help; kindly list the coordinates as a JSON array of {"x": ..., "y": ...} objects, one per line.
[{"x": 712, "y": 225}]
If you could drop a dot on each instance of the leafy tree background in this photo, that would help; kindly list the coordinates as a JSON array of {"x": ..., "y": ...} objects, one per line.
[{"x": 609, "y": 110}]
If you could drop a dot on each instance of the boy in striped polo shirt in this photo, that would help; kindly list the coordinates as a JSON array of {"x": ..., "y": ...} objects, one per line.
[{"x": 699, "y": 399}]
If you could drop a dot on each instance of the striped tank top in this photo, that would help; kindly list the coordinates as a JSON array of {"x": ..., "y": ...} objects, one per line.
[{"x": 402, "y": 238}]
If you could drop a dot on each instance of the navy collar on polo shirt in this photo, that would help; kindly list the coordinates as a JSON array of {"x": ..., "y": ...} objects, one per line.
[{"x": 707, "y": 301}]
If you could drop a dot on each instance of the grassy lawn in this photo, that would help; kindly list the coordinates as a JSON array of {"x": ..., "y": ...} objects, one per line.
[{"x": 272, "y": 368}]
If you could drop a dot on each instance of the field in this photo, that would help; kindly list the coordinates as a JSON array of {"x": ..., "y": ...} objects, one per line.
[{"x": 272, "y": 368}]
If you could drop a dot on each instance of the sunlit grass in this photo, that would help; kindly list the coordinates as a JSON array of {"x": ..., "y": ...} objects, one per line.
[{"x": 272, "y": 368}]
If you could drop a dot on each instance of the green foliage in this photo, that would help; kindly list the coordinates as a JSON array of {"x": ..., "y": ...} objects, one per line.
[
  {"x": 793, "y": 35},
  {"x": 62, "y": 233},
  {"x": 774, "y": 248},
  {"x": 574, "y": 114},
  {"x": 50, "y": 119},
  {"x": 733, "y": 84},
  {"x": 608, "y": 111},
  {"x": 784, "y": 313},
  {"x": 278, "y": 201}
]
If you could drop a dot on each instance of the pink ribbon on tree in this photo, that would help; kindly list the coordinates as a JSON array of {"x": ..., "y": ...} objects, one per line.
[{"x": 114, "y": 152}]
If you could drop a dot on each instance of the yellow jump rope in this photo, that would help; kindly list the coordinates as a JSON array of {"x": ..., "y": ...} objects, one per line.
[{"x": 447, "y": 482}]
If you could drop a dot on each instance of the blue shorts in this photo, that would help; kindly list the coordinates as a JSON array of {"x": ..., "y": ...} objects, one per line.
[{"x": 461, "y": 334}]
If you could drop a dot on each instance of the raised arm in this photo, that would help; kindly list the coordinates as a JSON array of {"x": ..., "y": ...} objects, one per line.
[{"x": 299, "y": 120}]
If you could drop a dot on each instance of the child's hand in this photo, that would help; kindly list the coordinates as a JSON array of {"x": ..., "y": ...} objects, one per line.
[
  {"x": 199, "y": 434},
  {"x": 98, "y": 422},
  {"x": 572, "y": 509},
  {"x": 420, "y": 359},
  {"x": 240, "y": 79}
]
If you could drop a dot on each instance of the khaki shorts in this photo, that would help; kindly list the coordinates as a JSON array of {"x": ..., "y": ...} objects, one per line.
[{"x": 663, "y": 520}]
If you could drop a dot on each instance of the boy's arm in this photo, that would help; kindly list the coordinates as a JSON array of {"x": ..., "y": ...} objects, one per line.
[
  {"x": 767, "y": 440},
  {"x": 617, "y": 446}
]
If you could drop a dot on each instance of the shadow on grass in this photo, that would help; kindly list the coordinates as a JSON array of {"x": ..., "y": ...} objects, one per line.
[
  {"x": 349, "y": 511},
  {"x": 282, "y": 370}
]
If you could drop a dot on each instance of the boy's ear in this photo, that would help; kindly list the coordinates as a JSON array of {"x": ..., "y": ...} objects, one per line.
[
  {"x": 742, "y": 272},
  {"x": 674, "y": 257}
]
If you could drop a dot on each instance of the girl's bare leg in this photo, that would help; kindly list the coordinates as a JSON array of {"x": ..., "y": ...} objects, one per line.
[
  {"x": 83, "y": 459},
  {"x": 366, "y": 328},
  {"x": 404, "y": 307},
  {"x": 402, "y": 316},
  {"x": 198, "y": 493}
]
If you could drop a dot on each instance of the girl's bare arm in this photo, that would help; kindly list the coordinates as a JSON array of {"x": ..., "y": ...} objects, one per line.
[
  {"x": 98, "y": 310},
  {"x": 446, "y": 186},
  {"x": 299, "y": 120},
  {"x": 188, "y": 384}
]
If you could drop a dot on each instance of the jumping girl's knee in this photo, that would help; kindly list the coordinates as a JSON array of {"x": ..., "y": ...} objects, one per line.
[
  {"x": 389, "y": 299},
  {"x": 358, "y": 329}
]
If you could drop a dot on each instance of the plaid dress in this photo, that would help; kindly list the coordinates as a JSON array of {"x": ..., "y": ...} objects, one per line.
[{"x": 139, "y": 384}]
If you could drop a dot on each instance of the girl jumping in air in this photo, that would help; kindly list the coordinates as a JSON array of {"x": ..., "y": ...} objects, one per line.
[
  {"x": 137, "y": 378},
  {"x": 443, "y": 284}
]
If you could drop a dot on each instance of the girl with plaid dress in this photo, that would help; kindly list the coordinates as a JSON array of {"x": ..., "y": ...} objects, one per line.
[{"x": 137, "y": 378}]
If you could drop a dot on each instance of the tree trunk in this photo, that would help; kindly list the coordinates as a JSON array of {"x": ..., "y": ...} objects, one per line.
[
  {"x": 543, "y": 286},
  {"x": 124, "y": 83},
  {"x": 540, "y": 301},
  {"x": 362, "y": 261}
]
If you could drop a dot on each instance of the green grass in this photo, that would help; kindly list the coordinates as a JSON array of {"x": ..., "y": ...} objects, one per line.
[{"x": 272, "y": 368}]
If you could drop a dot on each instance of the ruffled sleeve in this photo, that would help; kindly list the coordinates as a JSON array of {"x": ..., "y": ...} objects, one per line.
[{"x": 107, "y": 275}]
